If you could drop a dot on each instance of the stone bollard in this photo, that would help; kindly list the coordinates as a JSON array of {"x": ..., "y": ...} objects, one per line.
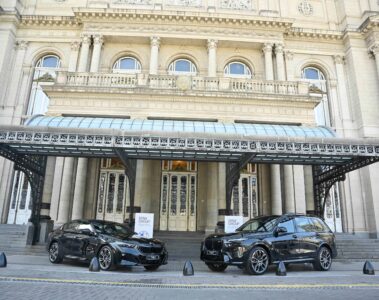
[
  {"x": 3, "y": 260},
  {"x": 368, "y": 268},
  {"x": 94, "y": 266},
  {"x": 188, "y": 268},
  {"x": 281, "y": 270}
]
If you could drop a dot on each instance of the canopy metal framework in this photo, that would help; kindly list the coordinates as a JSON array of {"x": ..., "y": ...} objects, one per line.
[{"x": 236, "y": 145}]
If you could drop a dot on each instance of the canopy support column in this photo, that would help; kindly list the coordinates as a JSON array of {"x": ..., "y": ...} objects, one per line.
[
  {"x": 232, "y": 170},
  {"x": 131, "y": 173},
  {"x": 324, "y": 177},
  {"x": 34, "y": 167}
]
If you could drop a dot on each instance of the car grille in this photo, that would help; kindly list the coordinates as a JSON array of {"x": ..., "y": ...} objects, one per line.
[
  {"x": 154, "y": 249},
  {"x": 213, "y": 244}
]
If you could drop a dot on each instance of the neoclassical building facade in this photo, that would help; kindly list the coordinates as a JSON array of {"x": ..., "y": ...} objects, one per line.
[{"x": 290, "y": 66}]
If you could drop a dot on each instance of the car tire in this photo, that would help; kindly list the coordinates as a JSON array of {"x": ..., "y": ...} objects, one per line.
[
  {"x": 258, "y": 261},
  {"x": 323, "y": 260},
  {"x": 151, "y": 268},
  {"x": 106, "y": 258},
  {"x": 217, "y": 267},
  {"x": 55, "y": 253}
]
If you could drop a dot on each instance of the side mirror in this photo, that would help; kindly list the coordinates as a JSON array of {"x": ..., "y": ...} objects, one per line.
[{"x": 280, "y": 231}]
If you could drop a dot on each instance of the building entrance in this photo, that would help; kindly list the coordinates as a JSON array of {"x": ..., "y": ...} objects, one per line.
[
  {"x": 113, "y": 193},
  {"x": 245, "y": 194},
  {"x": 178, "y": 196}
]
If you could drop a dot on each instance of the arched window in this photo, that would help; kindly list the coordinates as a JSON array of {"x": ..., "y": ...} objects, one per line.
[
  {"x": 127, "y": 65},
  {"x": 318, "y": 82},
  {"x": 44, "y": 73},
  {"x": 237, "y": 69},
  {"x": 182, "y": 66}
]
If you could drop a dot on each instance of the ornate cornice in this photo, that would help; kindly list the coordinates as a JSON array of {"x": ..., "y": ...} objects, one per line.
[
  {"x": 305, "y": 33},
  {"x": 49, "y": 21}
]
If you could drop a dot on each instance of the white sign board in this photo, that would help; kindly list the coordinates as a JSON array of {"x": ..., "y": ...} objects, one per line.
[
  {"x": 144, "y": 225},
  {"x": 232, "y": 223}
]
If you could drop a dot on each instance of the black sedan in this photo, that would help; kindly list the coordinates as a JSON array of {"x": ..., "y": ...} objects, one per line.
[
  {"x": 268, "y": 240},
  {"x": 113, "y": 244}
]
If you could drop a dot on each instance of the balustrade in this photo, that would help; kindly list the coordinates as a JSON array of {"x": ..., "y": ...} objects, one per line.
[{"x": 182, "y": 83}]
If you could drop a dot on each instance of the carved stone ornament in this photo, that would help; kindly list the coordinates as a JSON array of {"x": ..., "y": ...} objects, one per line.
[
  {"x": 21, "y": 45},
  {"x": 136, "y": 2},
  {"x": 185, "y": 2},
  {"x": 236, "y": 4},
  {"x": 305, "y": 8},
  {"x": 339, "y": 59},
  {"x": 212, "y": 44},
  {"x": 183, "y": 82}
]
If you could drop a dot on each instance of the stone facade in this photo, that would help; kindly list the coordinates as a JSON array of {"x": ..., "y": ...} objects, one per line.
[{"x": 275, "y": 40}]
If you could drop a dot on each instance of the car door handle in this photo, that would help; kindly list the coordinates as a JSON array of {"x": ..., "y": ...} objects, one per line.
[{"x": 294, "y": 236}]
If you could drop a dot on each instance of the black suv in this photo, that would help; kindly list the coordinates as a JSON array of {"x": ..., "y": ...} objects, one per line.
[
  {"x": 268, "y": 240},
  {"x": 113, "y": 244}
]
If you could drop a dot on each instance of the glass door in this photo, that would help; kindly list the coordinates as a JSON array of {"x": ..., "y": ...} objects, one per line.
[
  {"x": 332, "y": 210},
  {"x": 245, "y": 197},
  {"x": 113, "y": 197},
  {"x": 178, "y": 202}
]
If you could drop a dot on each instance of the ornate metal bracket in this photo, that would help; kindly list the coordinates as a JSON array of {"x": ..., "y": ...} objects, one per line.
[
  {"x": 232, "y": 175},
  {"x": 131, "y": 173},
  {"x": 324, "y": 177},
  {"x": 34, "y": 167}
]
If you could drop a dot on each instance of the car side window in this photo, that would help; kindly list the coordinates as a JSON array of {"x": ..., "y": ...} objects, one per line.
[
  {"x": 303, "y": 224},
  {"x": 288, "y": 224},
  {"x": 319, "y": 225},
  {"x": 71, "y": 227}
]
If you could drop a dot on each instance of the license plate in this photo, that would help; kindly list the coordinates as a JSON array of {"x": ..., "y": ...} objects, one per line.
[
  {"x": 152, "y": 257},
  {"x": 212, "y": 252}
]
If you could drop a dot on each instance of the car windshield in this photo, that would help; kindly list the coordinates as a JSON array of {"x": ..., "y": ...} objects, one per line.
[
  {"x": 113, "y": 229},
  {"x": 266, "y": 224}
]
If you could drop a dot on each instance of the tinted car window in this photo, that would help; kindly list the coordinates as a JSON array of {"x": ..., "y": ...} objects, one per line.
[
  {"x": 304, "y": 224},
  {"x": 259, "y": 225},
  {"x": 70, "y": 226},
  {"x": 319, "y": 225},
  {"x": 288, "y": 224}
]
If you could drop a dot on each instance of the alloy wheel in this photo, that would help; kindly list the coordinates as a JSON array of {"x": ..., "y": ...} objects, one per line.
[
  {"x": 325, "y": 258},
  {"x": 53, "y": 252},
  {"x": 259, "y": 261},
  {"x": 105, "y": 258}
]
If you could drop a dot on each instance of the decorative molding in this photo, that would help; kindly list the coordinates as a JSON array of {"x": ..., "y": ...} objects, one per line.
[
  {"x": 135, "y": 2},
  {"x": 305, "y": 8},
  {"x": 267, "y": 47},
  {"x": 339, "y": 59},
  {"x": 75, "y": 46},
  {"x": 374, "y": 49},
  {"x": 236, "y": 4},
  {"x": 22, "y": 45},
  {"x": 212, "y": 44},
  {"x": 288, "y": 55},
  {"x": 98, "y": 39},
  {"x": 279, "y": 48},
  {"x": 185, "y": 2},
  {"x": 155, "y": 41},
  {"x": 86, "y": 38}
]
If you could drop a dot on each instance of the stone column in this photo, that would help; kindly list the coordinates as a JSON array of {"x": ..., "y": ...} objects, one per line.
[
  {"x": 375, "y": 51},
  {"x": 289, "y": 65},
  {"x": 264, "y": 193},
  {"x": 212, "y": 201},
  {"x": 212, "y": 58},
  {"x": 55, "y": 194},
  {"x": 299, "y": 187},
  {"x": 309, "y": 197},
  {"x": 276, "y": 191},
  {"x": 22, "y": 103},
  {"x": 280, "y": 69},
  {"x": 95, "y": 61},
  {"x": 155, "y": 44},
  {"x": 65, "y": 195},
  {"x": 73, "y": 60},
  {"x": 80, "y": 189},
  {"x": 14, "y": 88},
  {"x": 221, "y": 191},
  {"x": 289, "y": 190},
  {"x": 342, "y": 91},
  {"x": 267, "y": 50},
  {"x": 83, "y": 59}
]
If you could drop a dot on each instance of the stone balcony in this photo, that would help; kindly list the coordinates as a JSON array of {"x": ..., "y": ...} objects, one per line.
[
  {"x": 168, "y": 96},
  {"x": 171, "y": 84}
]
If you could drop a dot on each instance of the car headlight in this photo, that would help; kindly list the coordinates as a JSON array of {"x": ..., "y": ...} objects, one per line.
[{"x": 126, "y": 245}]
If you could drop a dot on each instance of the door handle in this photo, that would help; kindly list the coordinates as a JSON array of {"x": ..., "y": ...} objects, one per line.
[{"x": 294, "y": 236}]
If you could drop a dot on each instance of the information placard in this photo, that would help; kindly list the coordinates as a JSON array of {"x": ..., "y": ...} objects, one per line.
[
  {"x": 232, "y": 223},
  {"x": 144, "y": 225}
]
